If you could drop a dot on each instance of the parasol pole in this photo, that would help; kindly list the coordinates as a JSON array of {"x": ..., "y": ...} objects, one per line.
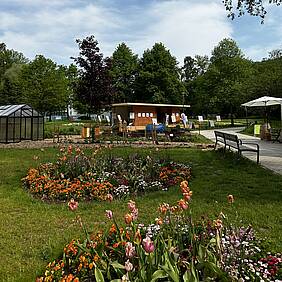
[
  {"x": 247, "y": 115},
  {"x": 281, "y": 117}
]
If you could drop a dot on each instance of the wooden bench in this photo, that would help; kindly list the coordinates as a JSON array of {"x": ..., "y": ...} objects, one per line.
[{"x": 232, "y": 140}]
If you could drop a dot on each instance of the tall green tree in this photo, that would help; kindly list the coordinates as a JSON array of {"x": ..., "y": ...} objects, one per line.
[
  {"x": 266, "y": 79},
  {"x": 193, "y": 71},
  {"x": 123, "y": 73},
  {"x": 10, "y": 90},
  {"x": 227, "y": 74},
  {"x": 158, "y": 80},
  {"x": 44, "y": 85},
  {"x": 94, "y": 88},
  {"x": 71, "y": 73},
  {"x": 10, "y": 68}
]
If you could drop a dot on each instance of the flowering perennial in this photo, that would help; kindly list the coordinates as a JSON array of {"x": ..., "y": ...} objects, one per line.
[
  {"x": 102, "y": 177},
  {"x": 174, "y": 248}
]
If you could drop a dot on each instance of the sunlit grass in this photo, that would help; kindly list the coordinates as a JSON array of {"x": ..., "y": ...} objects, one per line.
[{"x": 33, "y": 233}]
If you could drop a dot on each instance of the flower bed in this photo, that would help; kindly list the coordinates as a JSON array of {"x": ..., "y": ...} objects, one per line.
[
  {"x": 101, "y": 177},
  {"x": 174, "y": 248}
]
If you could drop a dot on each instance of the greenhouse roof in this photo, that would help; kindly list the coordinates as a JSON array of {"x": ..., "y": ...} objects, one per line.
[{"x": 18, "y": 110}]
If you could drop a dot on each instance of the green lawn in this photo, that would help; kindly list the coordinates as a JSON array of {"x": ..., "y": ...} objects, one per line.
[{"x": 32, "y": 233}]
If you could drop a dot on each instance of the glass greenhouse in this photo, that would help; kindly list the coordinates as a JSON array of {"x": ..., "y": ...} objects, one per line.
[{"x": 20, "y": 122}]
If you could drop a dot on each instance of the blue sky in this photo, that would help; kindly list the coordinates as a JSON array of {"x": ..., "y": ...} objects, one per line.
[{"x": 186, "y": 27}]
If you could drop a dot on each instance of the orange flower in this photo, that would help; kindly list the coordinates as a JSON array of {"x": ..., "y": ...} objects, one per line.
[
  {"x": 115, "y": 245},
  {"x": 159, "y": 221},
  {"x": 218, "y": 223},
  {"x": 183, "y": 204},
  {"x": 96, "y": 258},
  {"x": 184, "y": 184},
  {"x": 128, "y": 218},
  {"x": 137, "y": 236},
  {"x": 69, "y": 149},
  {"x": 163, "y": 208},
  {"x": 187, "y": 195},
  {"x": 69, "y": 278},
  {"x": 113, "y": 229}
]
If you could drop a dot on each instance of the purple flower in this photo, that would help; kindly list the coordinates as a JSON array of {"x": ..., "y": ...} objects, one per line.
[{"x": 148, "y": 245}]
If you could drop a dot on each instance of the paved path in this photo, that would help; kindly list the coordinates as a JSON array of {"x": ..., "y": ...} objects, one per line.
[{"x": 270, "y": 153}]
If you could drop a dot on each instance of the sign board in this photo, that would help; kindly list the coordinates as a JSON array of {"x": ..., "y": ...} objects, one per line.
[
  {"x": 173, "y": 118},
  {"x": 97, "y": 131},
  {"x": 119, "y": 118},
  {"x": 211, "y": 122},
  {"x": 257, "y": 129},
  {"x": 154, "y": 121},
  {"x": 131, "y": 115},
  {"x": 218, "y": 118},
  {"x": 200, "y": 118}
]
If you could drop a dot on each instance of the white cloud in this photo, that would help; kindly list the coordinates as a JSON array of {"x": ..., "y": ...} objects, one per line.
[
  {"x": 52, "y": 32},
  {"x": 185, "y": 27}
]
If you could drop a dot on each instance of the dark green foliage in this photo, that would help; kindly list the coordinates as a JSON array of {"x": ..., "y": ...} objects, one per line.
[
  {"x": 44, "y": 85},
  {"x": 223, "y": 85},
  {"x": 10, "y": 68},
  {"x": 158, "y": 80},
  {"x": 94, "y": 88},
  {"x": 123, "y": 73}
]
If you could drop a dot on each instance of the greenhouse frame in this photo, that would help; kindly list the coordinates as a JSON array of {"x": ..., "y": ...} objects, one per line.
[{"x": 20, "y": 122}]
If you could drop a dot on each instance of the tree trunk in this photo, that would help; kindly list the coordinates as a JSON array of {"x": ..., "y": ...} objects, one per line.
[{"x": 231, "y": 116}]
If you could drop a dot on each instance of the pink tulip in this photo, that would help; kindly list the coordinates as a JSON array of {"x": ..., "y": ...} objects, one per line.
[
  {"x": 148, "y": 245},
  {"x": 109, "y": 214},
  {"x": 134, "y": 214},
  {"x": 129, "y": 250},
  {"x": 128, "y": 266},
  {"x": 110, "y": 197},
  {"x": 182, "y": 204},
  {"x": 131, "y": 205},
  {"x": 230, "y": 199},
  {"x": 73, "y": 205}
]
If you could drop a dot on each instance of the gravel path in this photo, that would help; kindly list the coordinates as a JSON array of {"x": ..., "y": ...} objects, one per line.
[{"x": 77, "y": 141}]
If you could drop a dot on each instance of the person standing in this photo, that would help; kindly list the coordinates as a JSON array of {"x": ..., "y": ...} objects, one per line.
[{"x": 184, "y": 119}]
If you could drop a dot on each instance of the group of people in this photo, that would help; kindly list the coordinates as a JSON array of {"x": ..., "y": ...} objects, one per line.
[{"x": 183, "y": 119}]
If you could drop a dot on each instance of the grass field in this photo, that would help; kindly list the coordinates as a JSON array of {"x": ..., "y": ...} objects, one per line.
[{"x": 32, "y": 233}]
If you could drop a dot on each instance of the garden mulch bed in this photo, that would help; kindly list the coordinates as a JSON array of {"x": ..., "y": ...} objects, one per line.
[{"x": 48, "y": 143}]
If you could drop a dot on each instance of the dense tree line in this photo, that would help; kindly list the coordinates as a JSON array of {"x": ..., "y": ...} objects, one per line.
[{"x": 218, "y": 84}]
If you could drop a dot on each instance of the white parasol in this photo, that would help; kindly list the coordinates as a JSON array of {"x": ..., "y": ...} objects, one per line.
[{"x": 264, "y": 101}]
